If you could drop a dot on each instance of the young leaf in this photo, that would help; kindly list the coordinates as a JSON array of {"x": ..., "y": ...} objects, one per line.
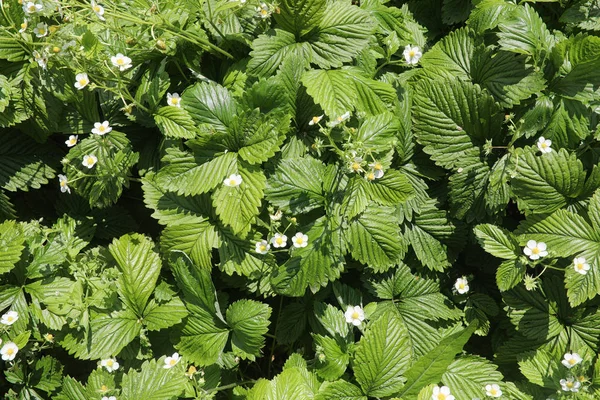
[{"x": 382, "y": 356}]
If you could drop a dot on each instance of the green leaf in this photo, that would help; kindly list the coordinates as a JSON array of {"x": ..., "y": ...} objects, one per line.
[
  {"x": 373, "y": 238},
  {"x": 341, "y": 90},
  {"x": 12, "y": 244},
  {"x": 249, "y": 321},
  {"x": 46, "y": 375},
  {"x": 297, "y": 185},
  {"x": 468, "y": 376},
  {"x": 575, "y": 61},
  {"x": 488, "y": 14},
  {"x": 453, "y": 120},
  {"x": 510, "y": 273},
  {"x": 153, "y": 382},
  {"x": 162, "y": 316},
  {"x": 584, "y": 14},
  {"x": 544, "y": 183},
  {"x": 455, "y": 11},
  {"x": 396, "y": 20},
  {"x": 195, "y": 239},
  {"x": 382, "y": 356},
  {"x": 431, "y": 367},
  {"x": 175, "y": 122},
  {"x": 523, "y": 31},
  {"x": 238, "y": 206},
  {"x": 209, "y": 105},
  {"x": 378, "y": 133},
  {"x": 335, "y": 359},
  {"x": 391, "y": 189},
  {"x": 340, "y": 390},
  {"x": 263, "y": 138},
  {"x": 497, "y": 241},
  {"x": 188, "y": 174},
  {"x": 300, "y": 16},
  {"x": 139, "y": 266}
]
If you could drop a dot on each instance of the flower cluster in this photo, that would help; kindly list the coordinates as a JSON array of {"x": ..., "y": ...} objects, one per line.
[
  {"x": 279, "y": 240},
  {"x": 571, "y": 383}
]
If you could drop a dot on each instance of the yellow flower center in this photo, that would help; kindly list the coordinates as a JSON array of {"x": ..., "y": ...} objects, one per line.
[
  {"x": 370, "y": 176},
  {"x": 411, "y": 53},
  {"x": 355, "y": 315},
  {"x": 24, "y": 25},
  {"x": 10, "y": 351},
  {"x": 10, "y": 318},
  {"x": 570, "y": 384},
  {"x": 544, "y": 145},
  {"x": 263, "y": 247},
  {"x": 63, "y": 183},
  {"x": 378, "y": 166},
  {"x": 535, "y": 250},
  {"x": 90, "y": 161},
  {"x": 83, "y": 81},
  {"x": 579, "y": 266},
  {"x": 232, "y": 182},
  {"x": 109, "y": 363},
  {"x": 441, "y": 396},
  {"x": 102, "y": 128},
  {"x": 493, "y": 392},
  {"x": 315, "y": 119},
  {"x": 572, "y": 361},
  {"x": 174, "y": 100},
  {"x": 355, "y": 166},
  {"x": 31, "y": 8},
  {"x": 172, "y": 361},
  {"x": 41, "y": 31},
  {"x": 263, "y": 12},
  {"x": 56, "y": 49},
  {"x": 97, "y": 8},
  {"x": 299, "y": 240},
  {"x": 103, "y": 388},
  {"x": 279, "y": 240},
  {"x": 461, "y": 285},
  {"x": 120, "y": 61},
  {"x": 581, "y": 378}
]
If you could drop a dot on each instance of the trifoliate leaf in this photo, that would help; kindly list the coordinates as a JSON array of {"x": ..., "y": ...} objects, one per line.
[
  {"x": 382, "y": 356},
  {"x": 139, "y": 266},
  {"x": 249, "y": 321},
  {"x": 453, "y": 119}
]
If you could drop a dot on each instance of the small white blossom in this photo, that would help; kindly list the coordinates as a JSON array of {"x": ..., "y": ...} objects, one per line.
[
  {"x": 377, "y": 169},
  {"x": 121, "y": 61},
  {"x": 234, "y": 180},
  {"x": 570, "y": 385},
  {"x": 493, "y": 390},
  {"x": 462, "y": 285},
  {"x": 110, "y": 364},
  {"x": 300, "y": 240},
  {"x": 101, "y": 128},
  {"x": 580, "y": 265},
  {"x": 355, "y": 165},
  {"x": 109, "y": 398},
  {"x": 262, "y": 247},
  {"x": 174, "y": 99},
  {"x": 354, "y": 315},
  {"x": 63, "y": 183},
  {"x": 571, "y": 359},
  {"x": 72, "y": 141},
  {"x": 534, "y": 250},
  {"x": 277, "y": 216},
  {"x": 279, "y": 240},
  {"x": 89, "y": 160},
  {"x": 98, "y": 10},
  {"x": 31, "y": 8},
  {"x": 9, "y": 318},
  {"x": 412, "y": 55},
  {"x": 42, "y": 60},
  {"x": 544, "y": 145},
  {"x": 441, "y": 393},
  {"x": 171, "y": 361},
  {"x": 41, "y": 30},
  {"x": 81, "y": 80},
  {"x": 9, "y": 351},
  {"x": 340, "y": 119},
  {"x": 315, "y": 120},
  {"x": 24, "y": 26},
  {"x": 263, "y": 11}
]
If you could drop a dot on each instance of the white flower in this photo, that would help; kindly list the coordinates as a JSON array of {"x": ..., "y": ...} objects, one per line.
[
  {"x": 121, "y": 61},
  {"x": 354, "y": 315},
  {"x": 23, "y": 26},
  {"x": 377, "y": 169},
  {"x": 109, "y": 398},
  {"x": 174, "y": 99},
  {"x": 62, "y": 181},
  {"x": 9, "y": 351},
  {"x": 544, "y": 145},
  {"x": 571, "y": 359},
  {"x": 535, "y": 250},
  {"x": 277, "y": 216},
  {"x": 340, "y": 119},
  {"x": 442, "y": 393},
  {"x": 110, "y": 364},
  {"x": 99, "y": 10},
  {"x": 101, "y": 128},
  {"x": 81, "y": 80},
  {"x": 300, "y": 240},
  {"x": 72, "y": 141},
  {"x": 279, "y": 240},
  {"x": 570, "y": 385},
  {"x": 42, "y": 60},
  {"x": 41, "y": 29},
  {"x": 171, "y": 361},
  {"x": 580, "y": 265},
  {"x": 89, "y": 160},
  {"x": 262, "y": 247},
  {"x": 31, "y": 8},
  {"x": 315, "y": 120},
  {"x": 412, "y": 55},
  {"x": 263, "y": 11},
  {"x": 234, "y": 180},
  {"x": 10, "y": 318},
  {"x": 462, "y": 285},
  {"x": 493, "y": 390}
]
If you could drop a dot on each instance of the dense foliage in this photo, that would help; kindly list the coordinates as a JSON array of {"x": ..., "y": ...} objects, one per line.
[{"x": 309, "y": 199}]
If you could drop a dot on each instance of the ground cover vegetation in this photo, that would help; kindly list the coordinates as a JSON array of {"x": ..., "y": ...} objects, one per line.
[{"x": 306, "y": 199}]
